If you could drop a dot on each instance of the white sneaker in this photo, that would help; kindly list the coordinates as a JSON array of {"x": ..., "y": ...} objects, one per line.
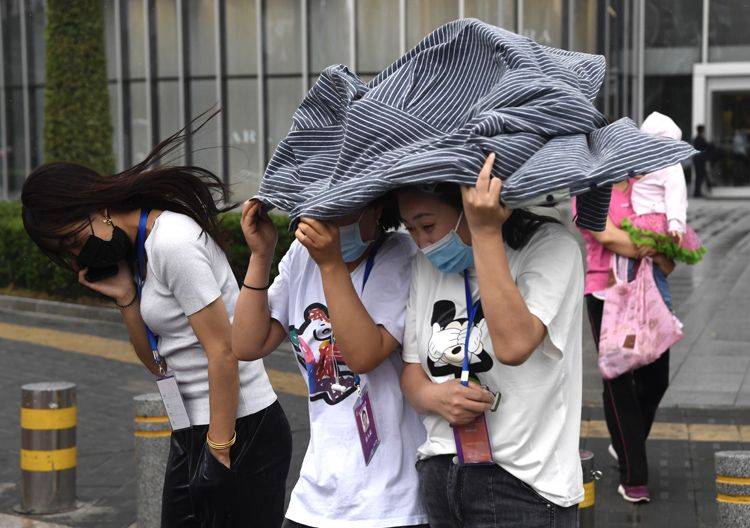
[{"x": 613, "y": 453}]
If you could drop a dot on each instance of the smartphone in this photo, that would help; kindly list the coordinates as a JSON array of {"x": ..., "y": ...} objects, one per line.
[{"x": 97, "y": 274}]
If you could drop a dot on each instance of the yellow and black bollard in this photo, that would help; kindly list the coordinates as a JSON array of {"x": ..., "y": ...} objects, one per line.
[
  {"x": 590, "y": 476},
  {"x": 48, "y": 447}
]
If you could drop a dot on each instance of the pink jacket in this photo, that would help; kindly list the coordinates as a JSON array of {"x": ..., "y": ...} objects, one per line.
[{"x": 662, "y": 191}]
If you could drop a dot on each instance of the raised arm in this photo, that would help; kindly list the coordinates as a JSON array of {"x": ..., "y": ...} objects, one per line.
[
  {"x": 121, "y": 289},
  {"x": 363, "y": 343},
  {"x": 254, "y": 333},
  {"x": 514, "y": 330}
]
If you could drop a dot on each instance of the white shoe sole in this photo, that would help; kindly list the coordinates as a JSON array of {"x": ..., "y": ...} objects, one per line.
[
  {"x": 621, "y": 491},
  {"x": 613, "y": 453}
]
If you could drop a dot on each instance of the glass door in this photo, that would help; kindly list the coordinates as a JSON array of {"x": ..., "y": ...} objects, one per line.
[{"x": 730, "y": 135}]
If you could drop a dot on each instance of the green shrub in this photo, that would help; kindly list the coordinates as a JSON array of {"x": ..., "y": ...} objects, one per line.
[
  {"x": 238, "y": 250},
  {"x": 77, "y": 123},
  {"x": 23, "y": 267}
]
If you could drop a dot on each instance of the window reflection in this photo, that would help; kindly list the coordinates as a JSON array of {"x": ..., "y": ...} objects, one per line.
[
  {"x": 423, "y": 16},
  {"x": 241, "y": 37},
  {"x": 543, "y": 21},
  {"x": 202, "y": 38},
  {"x": 672, "y": 35},
  {"x": 377, "y": 35},
  {"x": 501, "y": 13},
  {"x": 242, "y": 114},
  {"x": 330, "y": 35},
  {"x": 728, "y": 35},
  {"x": 167, "y": 59}
]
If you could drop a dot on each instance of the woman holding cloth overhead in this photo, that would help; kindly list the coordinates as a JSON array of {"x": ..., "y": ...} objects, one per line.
[
  {"x": 231, "y": 444},
  {"x": 340, "y": 298},
  {"x": 521, "y": 277}
]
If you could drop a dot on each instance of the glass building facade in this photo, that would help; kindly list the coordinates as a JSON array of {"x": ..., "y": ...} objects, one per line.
[{"x": 171, "y": 60}]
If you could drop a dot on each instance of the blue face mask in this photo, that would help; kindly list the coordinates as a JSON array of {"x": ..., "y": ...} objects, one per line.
[
  {"x": 450, "y": 254},
  {"x": 352, "y": 245}
]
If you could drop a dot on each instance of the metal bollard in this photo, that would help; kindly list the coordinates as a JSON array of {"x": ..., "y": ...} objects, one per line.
[
  {"x": 152, "y": 432},
  {"x": 733, "y": 488},
  {"x": 590, "y": 476},
  {"x": 48, "y": 447}
]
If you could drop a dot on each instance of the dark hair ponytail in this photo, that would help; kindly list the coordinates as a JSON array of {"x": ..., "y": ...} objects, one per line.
[
  {"x": 517, "y": 229},
  {"x": 60, "y": 196}
]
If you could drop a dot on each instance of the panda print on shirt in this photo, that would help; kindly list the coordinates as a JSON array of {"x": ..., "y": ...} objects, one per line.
[
  {"x": 447, "y": 343},
  {"x": 319, "y": 355}
]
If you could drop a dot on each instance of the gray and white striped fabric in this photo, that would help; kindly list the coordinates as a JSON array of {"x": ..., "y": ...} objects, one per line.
[{"x": 466, "y": 90}]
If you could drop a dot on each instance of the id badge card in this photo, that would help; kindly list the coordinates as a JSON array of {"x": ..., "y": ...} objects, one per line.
[
  {"x": 365, "y": 419},
  {"x": 170, "y": 395},
  {"x": 473, "y": 442}
]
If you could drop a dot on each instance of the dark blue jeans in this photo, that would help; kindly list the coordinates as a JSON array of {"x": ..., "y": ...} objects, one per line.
[
  {"x": 663, "y": 286},
  {"x": 484, "y": 496},
  {"x": 292, "y": 524},
  {"x": 659, "y": 278}
]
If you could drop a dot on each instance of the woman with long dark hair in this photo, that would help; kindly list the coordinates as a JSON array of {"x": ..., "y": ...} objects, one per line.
[
  {"x": 492, "y": 348},
  {"x": 231, "y": 444}
]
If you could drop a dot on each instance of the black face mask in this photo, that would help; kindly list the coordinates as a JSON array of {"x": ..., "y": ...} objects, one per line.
[{"x": 102, "y": 256}]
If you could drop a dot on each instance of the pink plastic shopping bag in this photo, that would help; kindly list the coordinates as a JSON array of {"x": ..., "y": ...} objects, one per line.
[{"x": 637, "y": 327}]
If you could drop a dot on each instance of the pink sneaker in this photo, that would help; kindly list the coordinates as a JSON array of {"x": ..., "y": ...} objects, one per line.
[{"x": 634, "y": 493}]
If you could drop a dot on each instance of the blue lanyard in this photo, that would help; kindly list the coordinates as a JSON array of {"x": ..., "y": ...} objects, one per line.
[
  {"x": 140, "y": 274},
  {"x": 371, "y": 261},
  {"x": 471, "y": 311},
  {"x": 368, "y": 269}
]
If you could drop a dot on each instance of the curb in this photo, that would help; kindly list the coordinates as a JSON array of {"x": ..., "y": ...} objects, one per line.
[
  {"x": 41, "y": 306},
  {"x": 76, "y": 311}
]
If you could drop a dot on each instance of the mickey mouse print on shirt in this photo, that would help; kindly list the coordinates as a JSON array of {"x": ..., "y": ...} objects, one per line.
[
  {"x": 318, "y": 354},
  {"x": 446, "y": 346}
]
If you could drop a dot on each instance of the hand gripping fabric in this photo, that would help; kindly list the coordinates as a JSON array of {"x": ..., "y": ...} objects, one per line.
[{"x": 468, "y": 89}]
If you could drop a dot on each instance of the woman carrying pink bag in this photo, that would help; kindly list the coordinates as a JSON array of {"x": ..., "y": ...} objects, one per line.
[
  {"x": 637, "y": 325},
  {"x": 632, "y": 398}
]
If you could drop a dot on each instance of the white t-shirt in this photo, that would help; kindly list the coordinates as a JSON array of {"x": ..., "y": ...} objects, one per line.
[
  {"x": 335, "y": 487},
  {"x": 534, "y": 433},
  {"x": 187, "y": 271}
]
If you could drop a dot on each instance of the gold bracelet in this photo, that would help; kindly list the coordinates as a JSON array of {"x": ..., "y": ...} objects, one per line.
[{"x": 220, "y": 446}]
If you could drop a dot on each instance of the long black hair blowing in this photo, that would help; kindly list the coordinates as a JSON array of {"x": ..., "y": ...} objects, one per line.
[{"x": 58, "y": 198}]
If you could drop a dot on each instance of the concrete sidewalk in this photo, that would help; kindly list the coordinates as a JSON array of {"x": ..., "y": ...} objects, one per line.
[
  {"x": 45, "y": 350},
  {"x": 711, "y": 365},
  {"x": 680, "y": 451}
]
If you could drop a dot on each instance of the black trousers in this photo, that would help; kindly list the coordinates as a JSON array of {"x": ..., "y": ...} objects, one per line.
[
  {"x": 630, "y": 403},
  {"x": 292, "y": 524},
  {"x": 700, "y": 176},
  {"x": 200, "y": 492}
]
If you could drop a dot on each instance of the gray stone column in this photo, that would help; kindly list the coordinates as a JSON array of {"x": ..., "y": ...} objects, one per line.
[{"x": 152, "y": 432}]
